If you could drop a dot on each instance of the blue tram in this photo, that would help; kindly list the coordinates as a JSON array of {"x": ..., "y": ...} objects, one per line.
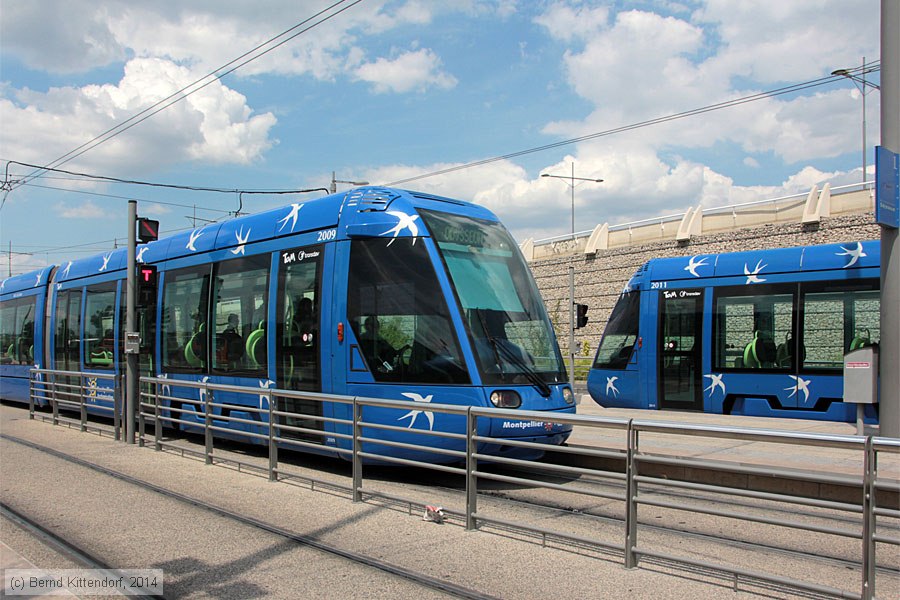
[
  {"x": 749, "y": 333},
  {"x": 375, "y": 292}
]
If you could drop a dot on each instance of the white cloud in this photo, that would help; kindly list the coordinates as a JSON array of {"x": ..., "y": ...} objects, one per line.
[
  {"x": 407, "y": 72},
  {"x": 214, "y": 125},
  {"x": 86, "y": 210}
]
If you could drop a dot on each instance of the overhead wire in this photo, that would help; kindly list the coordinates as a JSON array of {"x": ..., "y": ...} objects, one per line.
[
  {"x": 647, "y": 123},
  {"x": 186, "y": 91}
]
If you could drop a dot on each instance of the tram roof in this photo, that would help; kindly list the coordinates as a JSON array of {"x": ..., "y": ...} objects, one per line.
[
  {"x": 361, "y": 211},
  {"x": 759, "y": 263}
]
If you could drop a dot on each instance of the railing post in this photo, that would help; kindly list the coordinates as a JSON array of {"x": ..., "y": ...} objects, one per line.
[
  {"x": 31, "y": 391},
  {"x": 870, "y": 468},
  {"x": 157, "y": 423},
  {"x": 630, "y": 498},
  {"x": 357, "y": 448},
  {"x": 273, "y": 446},
  {"x": 117, "y": 406},
  {"x": 53, "y": 400},
  {"x": 82, "y": 399},
  {"x": 207, "y": 429},
  {"x": 471, "y": 467}
]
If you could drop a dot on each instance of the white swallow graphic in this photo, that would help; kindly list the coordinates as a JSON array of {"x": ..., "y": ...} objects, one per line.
[
  {"x": 611, "y": 387},
  {"x": 854, "y": 254},
  {"x": 693, "y": 264},
  {"x": 800, "y": 384},
  {"x": 404, "y": 221},
  {"x": 38, "y": 281},
  {"x": 105, "y": 261},
  {"x": 2, "y": 285},
  {"x": 166, "y": 389},
  {"x": 752, "y": 277},
  {"x": 414, "y": 414},
  {"x": 264, "y": 384},
  {"x": 241, "y": 240},
  {"x": 291, "y": 216},
  {"x": 194, "y": 235},
  {"x": 140, "y": 254},
  {"x": 715, "y": 382},
  {"x": 65, "y": 272},
  {"x": 203, "y": 390}
]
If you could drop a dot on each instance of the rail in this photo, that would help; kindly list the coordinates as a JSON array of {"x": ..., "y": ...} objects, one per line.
[{"x": 360, "y": 439}]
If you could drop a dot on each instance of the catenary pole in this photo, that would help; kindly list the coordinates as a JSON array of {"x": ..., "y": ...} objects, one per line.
[
  {"x": 889, "y": 359},
  {"x": 131, "y": 358}
]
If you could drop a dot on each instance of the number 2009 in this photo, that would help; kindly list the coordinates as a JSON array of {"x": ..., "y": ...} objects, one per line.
[{"x": 325, "y": 236}]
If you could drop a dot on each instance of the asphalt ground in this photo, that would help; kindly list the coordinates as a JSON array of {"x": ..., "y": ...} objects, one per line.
[{"x": 207, "y": 556}]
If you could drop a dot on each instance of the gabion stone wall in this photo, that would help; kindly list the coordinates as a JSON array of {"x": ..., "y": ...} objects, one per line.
[{"x": 599, "y": 279}]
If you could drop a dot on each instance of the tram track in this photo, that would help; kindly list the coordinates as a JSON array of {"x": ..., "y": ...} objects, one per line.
[
  {"x": 424, "y": 485},
  {"x": 65, "y": 548},
  {"x": 417, "y": 577}
]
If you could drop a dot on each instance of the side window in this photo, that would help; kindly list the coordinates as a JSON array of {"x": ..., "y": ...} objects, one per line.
[
  {"x": 299, "y": 310},
  {"x": 184, "y": 311},
  {"x": 837, "y": 319},
  {"x": 399, "y": 314},
  {"x": 621, "y": 333},
  {"x": 66, "y": 341},
  {"x": 239, "y": 315},
  {"x": 17, "y": 331},
  {"x": 754, "y": 328},
  {"x": 99, "y": 326},
  {"x": 146, "y": 328}
]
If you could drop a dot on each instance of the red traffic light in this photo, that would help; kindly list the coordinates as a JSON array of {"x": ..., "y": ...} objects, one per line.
[{"x": 148, "y": 230}]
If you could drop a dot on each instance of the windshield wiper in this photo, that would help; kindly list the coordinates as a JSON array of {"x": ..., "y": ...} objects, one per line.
[
  {"x": 512, "y": 357},
  {"x": 530, "y": 374}
]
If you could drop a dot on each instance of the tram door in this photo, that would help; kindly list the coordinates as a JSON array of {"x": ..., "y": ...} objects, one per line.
[
  {"x": 297, "y": 345},
  {"x": 680, "y": 377}
]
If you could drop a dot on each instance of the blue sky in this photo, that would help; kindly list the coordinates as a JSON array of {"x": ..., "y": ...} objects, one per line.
[{"x": 391, "y": 90}]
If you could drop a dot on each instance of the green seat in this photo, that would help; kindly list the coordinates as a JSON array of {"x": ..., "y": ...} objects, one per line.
[
  {"x": 189, "y": 355},
  {"x": 750, "y": 358},
  {"x": 256, "y": 345},
  {"x": 860, "y": 341}
]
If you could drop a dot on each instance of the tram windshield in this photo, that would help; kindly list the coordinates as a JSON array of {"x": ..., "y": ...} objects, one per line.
[
  {"x": 503, "y": 311},
  {"x": 620, "y": 334}
]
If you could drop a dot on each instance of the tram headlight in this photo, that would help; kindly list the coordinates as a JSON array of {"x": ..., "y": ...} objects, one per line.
[
  {"x": 568, "y": 396},
  {"x": 506, "y": 399}
]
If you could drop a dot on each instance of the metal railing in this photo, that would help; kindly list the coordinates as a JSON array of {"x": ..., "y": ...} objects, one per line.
[
  {"x": 77, "y": 391},
  {"x": 641, "y": 487}
]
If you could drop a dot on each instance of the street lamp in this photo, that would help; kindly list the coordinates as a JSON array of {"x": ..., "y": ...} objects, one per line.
[
  {"x": 334, "y": 183},
  {"x": 571, "y": 184},
  {"x": 860, "y": 82}
]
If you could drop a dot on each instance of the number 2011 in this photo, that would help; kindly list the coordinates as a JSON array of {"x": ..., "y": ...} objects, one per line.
[{"x": 658, "y": 285}]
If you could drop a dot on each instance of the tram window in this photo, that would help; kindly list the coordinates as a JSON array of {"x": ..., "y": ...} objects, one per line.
[
  {"x": 239, "y": 293},
  {"x": 184, "y": 312},
  {"x": 297, "y": 346},
  {"x": 99, "y": 326},
  {"x": 620, "y": 334},
  {"x": 399, "y": 314},
  {"x": 838, "y": 320},
  {"x": 754, "y": 331},
  {"x": 17, "y": 331},
  {"x": 66, "y": 344}
]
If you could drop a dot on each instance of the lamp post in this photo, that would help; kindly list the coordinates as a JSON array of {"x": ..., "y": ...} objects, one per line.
[
  {"x": 860, "y": 82},
  {"x": 571, "y": 183},
  {"x": 334, "y": 183}
]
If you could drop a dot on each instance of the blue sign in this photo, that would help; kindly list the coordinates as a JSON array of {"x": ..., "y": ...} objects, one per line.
[{"x": 887, "y": 188}]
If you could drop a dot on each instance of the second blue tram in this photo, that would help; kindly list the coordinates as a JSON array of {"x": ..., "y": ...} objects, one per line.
[
  {"x": 375, "y": 292},
  {"x": 751, "y": 333}
]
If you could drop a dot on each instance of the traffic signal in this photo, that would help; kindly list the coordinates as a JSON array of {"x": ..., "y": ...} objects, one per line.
[
  {"x": 148, "y": 230},
  {"x": 581, "y": 318},
  {"x": 147, "y": 277}
]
